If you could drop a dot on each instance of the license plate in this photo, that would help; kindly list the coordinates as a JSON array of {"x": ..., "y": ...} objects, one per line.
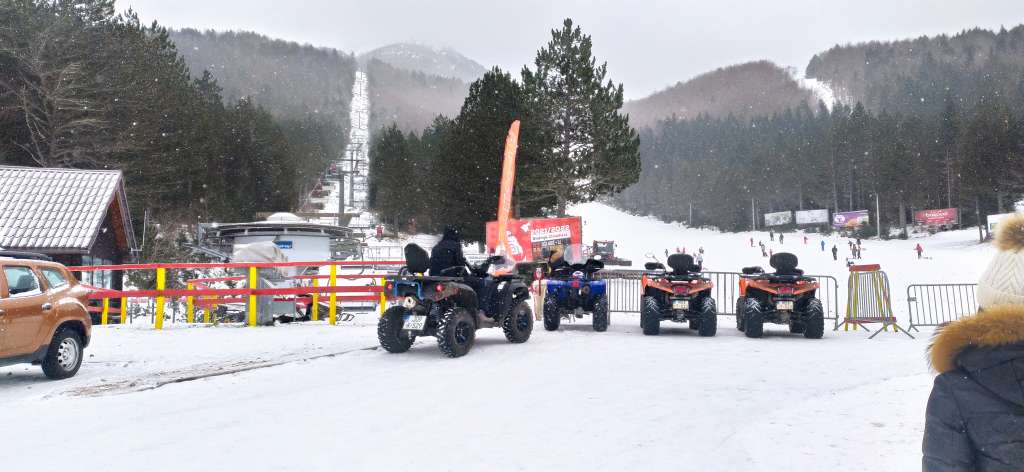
[
  {"x": 414, "y": 322},
  {"x": 680, "y": 304},
  {"x": 785, "y": 305}
]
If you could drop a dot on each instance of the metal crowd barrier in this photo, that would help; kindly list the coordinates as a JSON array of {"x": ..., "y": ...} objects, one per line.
[
  {"x": 935, "y": 304},
  {"x": 625, "y": 291}
]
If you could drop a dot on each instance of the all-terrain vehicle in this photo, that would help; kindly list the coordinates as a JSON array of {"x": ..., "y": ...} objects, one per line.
[
  {"x": 784, "y": 297},
  {"x": 453, "y": 305},
  {"x": 572, "y": 290},
  {"x": 680, "y": 295}
]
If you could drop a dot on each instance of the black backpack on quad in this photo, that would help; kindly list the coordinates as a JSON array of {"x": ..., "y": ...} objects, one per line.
[
  {"x": 784, "y": 297},
  {"x": 452, "y": 305},
  {"x": 573, "y": 291},
  {"x": 682, "y": 295}
]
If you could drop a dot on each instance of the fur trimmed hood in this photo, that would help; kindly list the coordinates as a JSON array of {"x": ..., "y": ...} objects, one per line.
[{"x": 1000, "y": 325}]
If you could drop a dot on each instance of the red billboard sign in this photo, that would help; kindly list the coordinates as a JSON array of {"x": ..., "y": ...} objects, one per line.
[
  {"x": 943, "y": 217},
  {"x": 527, "y": 238}
]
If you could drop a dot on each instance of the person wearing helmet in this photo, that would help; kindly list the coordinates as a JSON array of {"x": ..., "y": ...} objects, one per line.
[{"x": 447, "y": 253}]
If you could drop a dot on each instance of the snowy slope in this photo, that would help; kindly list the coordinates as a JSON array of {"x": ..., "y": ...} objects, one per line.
[
  {"x": 953, "y": 257},
  {"x": 312, "y": 397}
]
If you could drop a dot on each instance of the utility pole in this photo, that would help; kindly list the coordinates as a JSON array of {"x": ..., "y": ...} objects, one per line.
[
  {"x": 878, "y": 215},
  {"x": 753, "y": 215}
]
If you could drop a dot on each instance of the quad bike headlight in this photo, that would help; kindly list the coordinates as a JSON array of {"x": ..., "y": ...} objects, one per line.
[{"x": 410, "y": 302}]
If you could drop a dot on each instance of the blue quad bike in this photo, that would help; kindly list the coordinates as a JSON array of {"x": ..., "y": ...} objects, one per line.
[
  {"x": 452, "y": 305},
  {"x": 572, "y": 291}
]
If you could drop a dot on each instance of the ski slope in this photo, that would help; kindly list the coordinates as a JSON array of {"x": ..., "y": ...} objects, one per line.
[
  {"x": 311, "y": 397},
  {"x": 950, "y": 257}
]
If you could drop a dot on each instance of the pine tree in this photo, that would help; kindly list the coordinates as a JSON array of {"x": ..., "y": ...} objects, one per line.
[{"x": 592, "y": 150}]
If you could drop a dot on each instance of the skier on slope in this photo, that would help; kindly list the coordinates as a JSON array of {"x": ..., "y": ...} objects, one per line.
[
  {"x": 835, "y": 253},
  {"x": 919, "y": 250},
  {"x": 822, "y": 245}
]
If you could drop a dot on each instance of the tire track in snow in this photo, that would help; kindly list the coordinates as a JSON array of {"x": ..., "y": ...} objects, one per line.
[{"x": 163, "y": 379}]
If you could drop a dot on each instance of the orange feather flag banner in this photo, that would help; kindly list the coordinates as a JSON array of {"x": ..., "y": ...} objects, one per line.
[{"x": 508, "y": 179}]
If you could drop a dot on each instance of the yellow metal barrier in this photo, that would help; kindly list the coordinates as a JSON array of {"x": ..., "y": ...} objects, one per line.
[
  {"x": 124, "y": 310},
  {"x": 315, "y": 308},
  {"x": 383, "y": 296},
  {"x": 161, "y": 281},
  {"x": 106, "y": 311},
  {"x": 253, "y": 284},
  {"x": 190, "y": 306},
  {"x": 332, "y": 310},
  {"x": 206, "y": 311}
]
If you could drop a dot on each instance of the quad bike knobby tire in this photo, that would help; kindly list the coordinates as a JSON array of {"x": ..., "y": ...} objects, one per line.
[
  {"x": 650, "y": 316},
  {"x": 753, "y": 318},
  {"x": 552, "y": 315},
  {"x": 708, "y": 325},
  {"x": 740, "y": 304},
  {"x": 814, "y": 324},
  {"x": 456, "y": 332},
  {"x": 389, "y": 331},
  {"x": 518, "y": 324},
  {"x": 600, "y": 318}
]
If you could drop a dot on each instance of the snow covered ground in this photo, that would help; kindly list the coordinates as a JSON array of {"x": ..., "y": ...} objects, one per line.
[
  {"x": 950, "y": 257},
  {"x": 567, "y": 400},
  {"x": 313, "y": 397}
]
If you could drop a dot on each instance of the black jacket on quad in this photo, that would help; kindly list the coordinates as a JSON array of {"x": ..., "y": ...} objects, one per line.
[
  {"x": 975, "y": 417},
  {"x": 446, "y": 254}
]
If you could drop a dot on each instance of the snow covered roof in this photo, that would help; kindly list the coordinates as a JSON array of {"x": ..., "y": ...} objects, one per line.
[{"x": 61, "y": 211}]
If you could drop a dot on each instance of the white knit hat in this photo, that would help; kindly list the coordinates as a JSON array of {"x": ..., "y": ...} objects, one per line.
[{"x": 1003, "y": 280}]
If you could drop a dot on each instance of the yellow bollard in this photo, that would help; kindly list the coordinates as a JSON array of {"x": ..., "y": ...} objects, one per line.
[
  {"x": 124, "y": 310},
  {"x": 206, "y": 311},
  {"x": 383, "y": 296},
  {"x": 106, "y": 312},
  {"x": 161, "y": 281},
  {"x": 332, "y": 311},
  {"x": 253, "y": 283},
  {"x": 315, "y": 315},
  {"x": 190, "y": 305}
]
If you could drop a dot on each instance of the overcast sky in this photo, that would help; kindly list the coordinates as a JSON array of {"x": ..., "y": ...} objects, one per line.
[{"x": 648, "y": 44}]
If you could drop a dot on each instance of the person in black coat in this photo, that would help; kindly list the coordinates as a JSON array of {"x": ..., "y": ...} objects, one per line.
[
  {"x": 447, "y": 253},
  {"x": 975, "y": 415}
]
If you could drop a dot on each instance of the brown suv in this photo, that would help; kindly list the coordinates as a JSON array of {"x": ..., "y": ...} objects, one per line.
[{"x": 43, "y": 315}]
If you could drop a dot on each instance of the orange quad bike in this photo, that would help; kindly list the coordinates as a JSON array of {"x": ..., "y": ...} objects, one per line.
[
  {"x": 681, "y": 295},
  {"x": 784, "y": 297}
]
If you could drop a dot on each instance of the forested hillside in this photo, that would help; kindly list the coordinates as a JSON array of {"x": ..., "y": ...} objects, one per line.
[
  {"x": 442, "y": 62},
  {"x": 83, "y": 87},
  {"x": 942, "y": 125},
  {"x": 289, "y": 79},
  {"x": 744, "y": 90},
  {"x": 917, "y": 75},
  {"x": 411, "y": 100}
]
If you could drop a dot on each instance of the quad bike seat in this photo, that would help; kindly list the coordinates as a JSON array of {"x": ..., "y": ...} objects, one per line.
[
  {"x": 417, "y": 261},
  {"x": 683, "y": 267},
  {"x": 785, "y": 263}
]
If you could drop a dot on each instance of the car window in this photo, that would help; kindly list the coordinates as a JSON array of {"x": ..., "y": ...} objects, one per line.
[
  {"x": 54, "y": 278},
  {"x": 21, "y": 282}
]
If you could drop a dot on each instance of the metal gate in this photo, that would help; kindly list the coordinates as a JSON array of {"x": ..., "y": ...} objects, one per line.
[
  {"x": 624, "y": 291},
  {"x": 935, "y": 304}
]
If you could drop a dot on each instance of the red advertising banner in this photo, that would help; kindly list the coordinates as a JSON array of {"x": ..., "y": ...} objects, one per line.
[
  {"x": 528, "y": 238},
  {"x": 943, "y": 217}
]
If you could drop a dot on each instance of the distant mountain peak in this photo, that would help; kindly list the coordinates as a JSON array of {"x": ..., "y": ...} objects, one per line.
[{"x": 441, "y": 61}]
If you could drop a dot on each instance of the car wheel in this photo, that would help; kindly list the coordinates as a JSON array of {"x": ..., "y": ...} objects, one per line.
[{"x": 64, "y": 356}]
